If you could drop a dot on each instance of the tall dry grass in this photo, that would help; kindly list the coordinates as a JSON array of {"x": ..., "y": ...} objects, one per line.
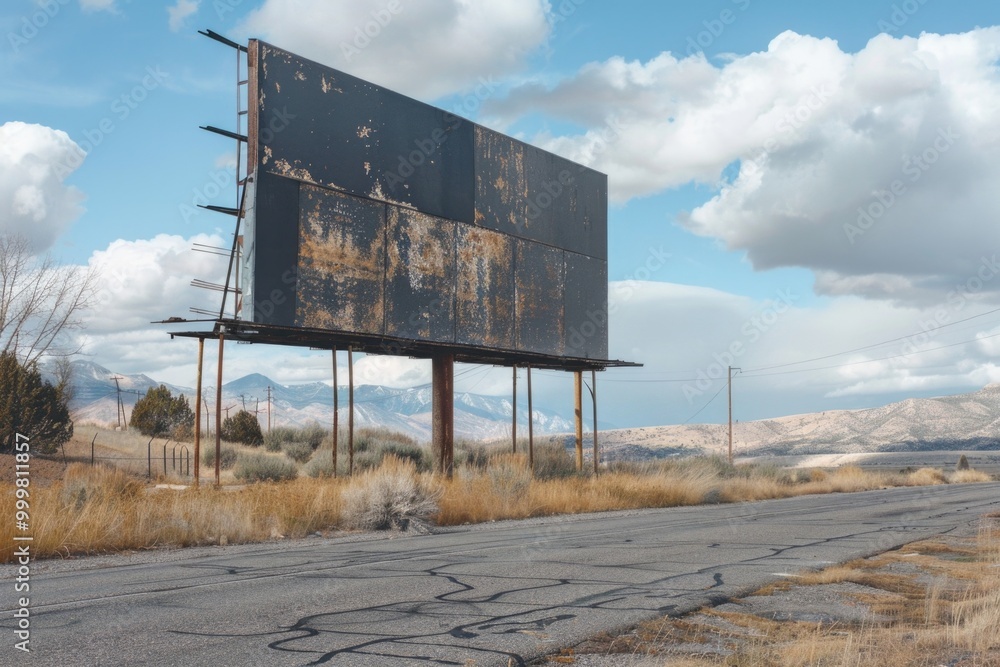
[{"x": 105, "y": 509}]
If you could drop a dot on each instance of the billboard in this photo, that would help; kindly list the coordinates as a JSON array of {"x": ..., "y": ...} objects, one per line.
[{"x": 371, "y": 214}]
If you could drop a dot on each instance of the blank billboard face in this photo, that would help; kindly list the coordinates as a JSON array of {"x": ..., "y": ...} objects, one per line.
[{"x": 373, "y": 214}]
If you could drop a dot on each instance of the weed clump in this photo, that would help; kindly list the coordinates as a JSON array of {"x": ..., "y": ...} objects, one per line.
[
  {"x": 262, "y": 467},
  {"x": 392, "y": 496}
]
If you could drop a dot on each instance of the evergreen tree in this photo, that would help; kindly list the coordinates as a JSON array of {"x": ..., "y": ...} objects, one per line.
[
  {"x": 32, "y": 407},
  {"x": 242, "y": 427},
  {"x": 159, "y": 414}
]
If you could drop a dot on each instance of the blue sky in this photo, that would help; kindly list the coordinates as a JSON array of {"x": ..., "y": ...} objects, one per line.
[{"x": 753, "y": 135}]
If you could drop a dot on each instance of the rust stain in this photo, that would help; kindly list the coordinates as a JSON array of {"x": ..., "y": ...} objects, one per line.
[
  {"x": 325, "y": 85},
  {"x": 268, "y": 153},
  {"x": 277, "y": 86},
  {"x": 282, "y": 167},
  {"x": 300, "y": 76},
  {"x": 368, "y": 168},
  {"x": 364, "y": 132}
]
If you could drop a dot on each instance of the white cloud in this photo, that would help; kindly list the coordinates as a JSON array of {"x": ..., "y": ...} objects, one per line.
[
  {"x": 35, "y": 202},
  {"x": 426, "y": 49},
  {"x": 876, "y": 170},
  {"x": 98, "y": 5},
  {"x": 180, "y": 12}
]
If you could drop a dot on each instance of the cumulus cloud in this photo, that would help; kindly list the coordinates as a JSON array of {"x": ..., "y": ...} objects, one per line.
[
  {"x": 180, "y": 12},
  {"x": 35, "y": 202},
  {"x": 425, "y": 49},
  {"x": 876, "y": 169}
]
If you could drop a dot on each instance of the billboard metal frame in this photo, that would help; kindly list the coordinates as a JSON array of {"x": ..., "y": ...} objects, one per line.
[{"x": 400, "y": 341}]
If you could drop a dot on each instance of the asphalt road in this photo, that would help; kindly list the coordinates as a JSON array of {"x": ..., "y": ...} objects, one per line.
[{"x": 483, "y": 595}]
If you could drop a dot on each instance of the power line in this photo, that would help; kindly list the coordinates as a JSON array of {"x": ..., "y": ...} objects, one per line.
[
  {"x": 868, "y": 347},
  {"x": 869, "y": 361}
]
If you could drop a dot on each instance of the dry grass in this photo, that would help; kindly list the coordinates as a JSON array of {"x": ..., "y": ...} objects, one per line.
[
  {"x": 954, "y": 620},
  {"x": 106, "y": 509}
]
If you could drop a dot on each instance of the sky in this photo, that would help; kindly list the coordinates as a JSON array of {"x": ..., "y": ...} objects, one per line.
[{"x": 805, "y": 191}]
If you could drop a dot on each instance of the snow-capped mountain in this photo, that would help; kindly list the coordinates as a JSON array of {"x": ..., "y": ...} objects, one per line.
[{"x": 405, "y": 410}]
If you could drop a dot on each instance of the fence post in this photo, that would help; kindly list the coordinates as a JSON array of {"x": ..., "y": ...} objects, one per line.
[
  {"x": 92, "y": 449},
  {"x": 164, "y": 459},
  {"x": 149, "y": 460}
]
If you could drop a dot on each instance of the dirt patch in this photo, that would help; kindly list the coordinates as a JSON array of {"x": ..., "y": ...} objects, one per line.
[{"x": 929, "y": 603}]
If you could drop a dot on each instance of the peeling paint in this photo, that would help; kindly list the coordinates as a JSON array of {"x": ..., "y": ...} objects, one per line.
[{"x": 281, "y": 166}]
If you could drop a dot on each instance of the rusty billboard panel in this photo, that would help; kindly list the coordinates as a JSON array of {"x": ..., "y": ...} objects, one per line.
[
  {"x": 341, "y": 262},
  {"x": 540, "y": 293},
  {"x": 586, "y": 323},
  {"x": 484, "y": 309},
  {"x": 420, "y": 276},
  {"x": 379, "y": 219},
  {"x": 386, "y": 146},
  {"x": 532, "y": 194}
]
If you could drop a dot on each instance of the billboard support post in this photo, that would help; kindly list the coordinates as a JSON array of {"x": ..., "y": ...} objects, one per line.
[
  {"x": 578, "y": 413},
  {"x": 513, "y": 409},
  {"x": 218, "y": 413},
  {"x": 350, "y": 410},
  {"x": 197, "y": 412},
  {"x": 336, "y": 418},
  {"x": 531, "y": 427},
  {"x": 443, "y": 412}
]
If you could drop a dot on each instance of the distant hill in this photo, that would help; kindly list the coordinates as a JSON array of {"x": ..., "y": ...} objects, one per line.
[
  {"x": 404, "y": 410},
  {"x": 962, "y": 422}
]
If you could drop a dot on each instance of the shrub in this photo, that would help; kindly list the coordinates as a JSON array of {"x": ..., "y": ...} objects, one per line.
[
  {"x": 263, "y": 467},
  {"x": 278, "y": 436},
  {"x": 392, "y": 496},
  {"x": 408, "y": 452},
  {"x": 83, "y": 483},
  {"x": 227, "y": 458},
  {"x": 297, "y": 451},
  {"x": 159, "y": 413},
  {"x": 472, "y": 454},
  {"x": 926, "y": 477},
  {"x": 509, "y": 476},
  {"x": 552, "y": 461},
  {"x": 30, "y": 405},
  {"x": 321, "y": 464},
  {"x": 969, "y": 476},
  {"x": 243, "y": 428}
]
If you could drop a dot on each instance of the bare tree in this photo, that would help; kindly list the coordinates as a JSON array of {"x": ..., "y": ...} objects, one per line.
[{"x": 40, "y": 301}]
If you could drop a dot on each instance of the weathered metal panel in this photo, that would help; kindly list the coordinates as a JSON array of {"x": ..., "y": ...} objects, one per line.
[
  {"x": 485, "y": 288},
  {"x": 326, "y": 127},
  {"x": 586, "y": 307},
  {"x": 377, "y": 215},
  {"x": 420, "y": 276},
  {"x": 540, "y": 292},
  {"x": 535, "y": 195},
  {"x": 341, "y": 262},
  {"x": 275, "y": 243}
]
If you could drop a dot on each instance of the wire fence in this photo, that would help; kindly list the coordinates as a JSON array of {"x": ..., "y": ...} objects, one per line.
[{"x": 166, "y": 459}]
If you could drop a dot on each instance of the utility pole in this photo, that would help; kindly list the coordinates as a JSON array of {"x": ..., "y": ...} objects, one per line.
[
  {"x": 731, "y": 369},
  {"x": 119, "y": 406},
  {"x": 269, "y": 407}
]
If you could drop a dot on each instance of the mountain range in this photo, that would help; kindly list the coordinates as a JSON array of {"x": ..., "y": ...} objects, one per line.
[
  {"x": 961, "y": 422},
  {"x": 406, "y": 410}
]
